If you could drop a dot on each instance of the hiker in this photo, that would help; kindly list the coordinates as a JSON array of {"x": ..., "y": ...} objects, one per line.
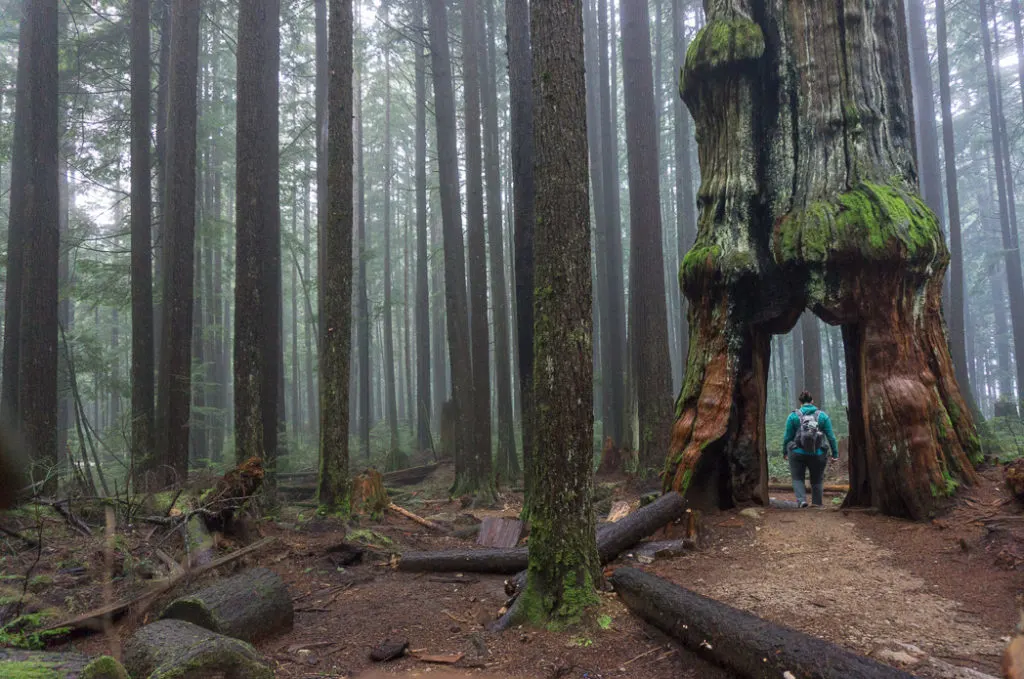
[{"x": 807, "y": 429}]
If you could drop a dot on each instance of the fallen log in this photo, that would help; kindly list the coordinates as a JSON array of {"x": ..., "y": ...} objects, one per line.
[
  {"x": 612, "y": 540},
  {"x": 249, "y": 606},
  {"x": 59, "y": 665},
  {"x": 744, "y": 643},
  {"x": 95, "y": 618},
  {"x": 410, "y": 476},
  {"x": 416, "y": 518},
  {"x": 179, "y": 649}
]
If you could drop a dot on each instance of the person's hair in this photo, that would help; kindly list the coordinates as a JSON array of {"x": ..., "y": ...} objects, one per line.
[{"x": 805, "y": 397}]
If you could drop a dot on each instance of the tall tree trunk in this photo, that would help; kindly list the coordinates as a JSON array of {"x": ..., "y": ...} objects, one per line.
[
  {"x": 563, "y": 563},
  {"x": 1007, "y": 200},
  {"x": 296, "y": 404},
  {"x": 686, "y": 215},
  {"x": 476, "y": 476},
  {"x": 835, "y": 370},
  {"x": 143, "y": 374},
  {"x": 1004, "y": 370},
  {"x": 66, "y": 314},
  {"x": 362, "y": 296},
  {"x": 423, "y": 400},
  {"x": 649, "y": 326},
  {"x": 615, "y": 292},
  {"x": 924, "y": 105},
  {"x": 258, "y": 296},
  {"x": 320, "y": 48},
  {"x": 520, "y": 75},
  {"x": 451, "y": 216},
  {"x": 406, "y": 325},
  {"x": 955, "y": 308},
  {"x": 814, "y": 378},
  {"x": 799, "y": 383},
  {"x": 174, "y": 385},
  {"x": 163, "y": 17},
  {"x": 336, "y": 334},
  {"x": 309, "y": 325},
  {"x": 393, "y": 454},
  {"x": 808, "y": 194},
  {"x": 508, "y": 461}
]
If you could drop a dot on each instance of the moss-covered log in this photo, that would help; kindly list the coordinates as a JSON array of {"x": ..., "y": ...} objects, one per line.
[
  {"x": 44, "y": 665},
  {"x": 175, "y": 649},
  {"x": 248, "y": 606},
  {"x": 612, "y": 540},
  {"x": 808, "y": 200},
  {"x": 744, "y": 643}
]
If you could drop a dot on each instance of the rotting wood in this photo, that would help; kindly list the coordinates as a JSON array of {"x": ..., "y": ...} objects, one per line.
[
  {"x": 418, "y": 519},
  {"x": 175, "y": 648},
  {"x": 744, "y": 643},
  {"x": 499, "y": 531},
  {"x": 249, "y": 606},
  {"x": 94, "y": 619},
  {"x": 612, "y": 540}
]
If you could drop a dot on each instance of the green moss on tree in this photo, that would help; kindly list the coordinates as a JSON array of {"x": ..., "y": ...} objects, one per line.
[{"x": 722, "y": 43}]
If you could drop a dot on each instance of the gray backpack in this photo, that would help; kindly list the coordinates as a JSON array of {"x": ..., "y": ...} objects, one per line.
[{"x": 809, "y": 437}]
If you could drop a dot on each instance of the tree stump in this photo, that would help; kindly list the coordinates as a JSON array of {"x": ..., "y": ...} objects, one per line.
[
  {"x": 175, "y": 649},
  {"x": 45, "y": 665},
  {"x": 249, "y": 606},
  {"x": 809, "y": 201},
  {"x": 369, "y": 496},
  {"x": 231, "y": 493}
]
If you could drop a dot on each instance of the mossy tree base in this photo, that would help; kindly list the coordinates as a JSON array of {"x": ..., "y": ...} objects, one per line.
[{"x": 809, "y": 200}]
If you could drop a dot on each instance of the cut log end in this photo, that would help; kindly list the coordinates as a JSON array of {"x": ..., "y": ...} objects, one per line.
[{"x": 175, "y": 649}]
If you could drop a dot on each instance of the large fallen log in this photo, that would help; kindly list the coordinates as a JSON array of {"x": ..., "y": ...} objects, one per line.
[
  {"x": 179, "y": 649},
  {"x": 744, "y": 643},
  {"x": 612, "y": 540},
  {"x": 46, "y": 665},
  {"x": 249, "y": 606}
]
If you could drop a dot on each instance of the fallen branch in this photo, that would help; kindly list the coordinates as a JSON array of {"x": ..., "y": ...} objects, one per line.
[
  {"x": 744, "y": 643},
  {"x": 61, "y": 506},
  {"x": 612, "y": 540},
  {"x": 94, "y": 619},
  {"x": 418, "y": 519}
]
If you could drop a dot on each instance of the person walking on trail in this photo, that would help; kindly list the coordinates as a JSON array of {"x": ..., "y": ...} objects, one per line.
[{"x": 807, "y": 431}]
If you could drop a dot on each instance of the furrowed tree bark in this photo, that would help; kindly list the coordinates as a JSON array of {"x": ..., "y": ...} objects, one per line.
[
  {"x": 456, "y": 306},
  {"x": 143, "y": 387},
  {"x": 423, "y": 400},
  {"x": 249, "y": 606},
  {"x": 508, "y": 468},
  {"x": 258, "y": 322},
  {"x": 174, "y": 384},
  {"x": 29, "y": 390},
  {"x": 745, "y": 644},
  {"x": 612, "y": 539},
  {"x": 336, "y": 275},
  {"x": 178, "y": 648},
  {"x": 563, "y": 563},
  {"x": 475, "y": 476},
  {"x": 811, "y": 203},
  {"x": 520, "y": 69}
]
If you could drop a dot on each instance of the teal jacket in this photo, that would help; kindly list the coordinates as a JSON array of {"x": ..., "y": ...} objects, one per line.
[{"x": 824, "y": 423}]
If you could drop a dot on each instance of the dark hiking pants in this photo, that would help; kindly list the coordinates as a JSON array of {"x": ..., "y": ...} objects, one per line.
[{"x": 799, "y": 465}]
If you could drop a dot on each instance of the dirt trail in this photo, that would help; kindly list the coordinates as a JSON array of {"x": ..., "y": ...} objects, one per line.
[{"x": 819, "y": 571}]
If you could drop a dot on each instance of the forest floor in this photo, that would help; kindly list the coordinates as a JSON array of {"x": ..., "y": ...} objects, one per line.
[{"x": 949, "y": 587}]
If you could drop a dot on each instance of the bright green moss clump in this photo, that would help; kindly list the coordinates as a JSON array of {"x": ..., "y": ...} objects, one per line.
[
  {"x": 104, "y": 667},
  {"x": 30, "y": 670},
  {"x": 879, "y": 220},
  {"x": 722, "y": 43}
]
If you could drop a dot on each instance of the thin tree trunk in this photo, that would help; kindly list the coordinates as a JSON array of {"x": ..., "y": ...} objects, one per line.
[
  {"x": 955, "y": 308},
  {"x": 508, "y": 462},
  {"x": 520, "y": 70},
  {"x": 362, "y": 296},
  {"x": 163, "y": 17},
  {"x": 649, "y": 325},
  {"x": 814, "y": 378},
  {"x": 391, "y": 402},
  {"x": 309, "y": 325},
  {"x": 1004, "y": 179},
  {"x": 799, "y": 383},
  {"x": 174, "y": 386},
  {"x": 336, "y": 236},
  {"x": 422, "y": 315},
  {"x": 296, "y": 408}
]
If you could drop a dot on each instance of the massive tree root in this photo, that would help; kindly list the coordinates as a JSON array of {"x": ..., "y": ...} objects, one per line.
[{"x": 808, "y": 200}]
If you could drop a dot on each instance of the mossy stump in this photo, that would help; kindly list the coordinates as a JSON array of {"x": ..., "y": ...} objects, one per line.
[
  {"x": 249, "y": 606},
  {"x": 44, "y": 665},
  {"x": 176, "y": 649}
]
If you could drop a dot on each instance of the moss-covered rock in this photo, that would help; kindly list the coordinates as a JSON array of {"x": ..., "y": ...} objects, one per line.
[{"x": 175, "y": 649}]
